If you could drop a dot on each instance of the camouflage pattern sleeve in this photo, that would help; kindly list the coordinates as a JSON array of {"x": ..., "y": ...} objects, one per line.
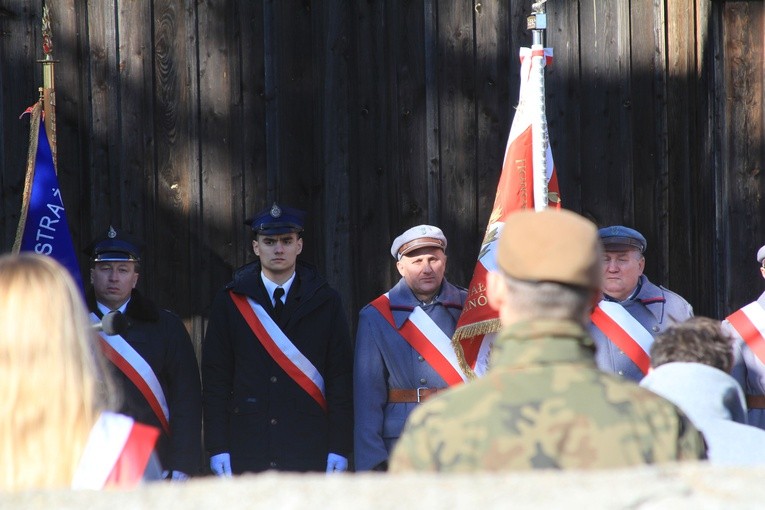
[
  {"x": 690, "y": 442},
  {"x": 411, "y": 452}
]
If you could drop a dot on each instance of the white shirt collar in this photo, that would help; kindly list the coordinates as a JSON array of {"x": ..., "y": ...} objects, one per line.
[
  {"x": 271, "y": 286},
  {"x": 105, "y": 309}
]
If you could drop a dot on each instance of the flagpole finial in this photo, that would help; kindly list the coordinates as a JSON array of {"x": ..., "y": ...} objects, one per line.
[{"x": 47, "y": 34}]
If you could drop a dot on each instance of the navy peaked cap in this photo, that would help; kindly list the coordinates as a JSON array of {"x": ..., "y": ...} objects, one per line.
[
  {"x": 619, "y": 237},
  {"x": 115, "y": 246},
  {"x": 277, "y": 219}
]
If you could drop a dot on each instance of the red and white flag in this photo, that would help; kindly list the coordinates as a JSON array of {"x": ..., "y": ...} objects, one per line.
[{"x": 527, "y": 167}]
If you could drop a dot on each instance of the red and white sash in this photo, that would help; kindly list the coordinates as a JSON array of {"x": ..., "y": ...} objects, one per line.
[
  {"x": 281, "y": 348},
  {"x": 426, "y": 338},
  {"x": 625, "y": 332},
  {"x": 749, "y": 322},
  {"x": 116, "y": 454},
  {"x": 119, "y": 351}
]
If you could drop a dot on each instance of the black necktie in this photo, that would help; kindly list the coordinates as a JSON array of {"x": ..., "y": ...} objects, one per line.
[{"x": 278, "y": 305}]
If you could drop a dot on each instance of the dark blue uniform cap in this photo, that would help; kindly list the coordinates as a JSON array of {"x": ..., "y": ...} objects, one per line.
[
  {"x": 619, "y": 237},
  {"x": 114, "y": 246},
  {"x": 277, "y": 220}
]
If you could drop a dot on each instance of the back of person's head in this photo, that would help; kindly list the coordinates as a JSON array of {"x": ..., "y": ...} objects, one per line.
[
  {"x": 550, "y": 300},
  {"x": 54, "y": 379},
  {"x": 697, "y": 340},
  {"x": 550, "y": 262}
]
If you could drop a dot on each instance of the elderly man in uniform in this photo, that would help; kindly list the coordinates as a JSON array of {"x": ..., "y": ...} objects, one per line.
[
  {"x": 277, "y": 361},
  {"x": 633, "y": 310},
  {"x": 543, "y": 403},
  {"x": 403, "y": 347},
  {"x": 153, "y": 358},
  {"x": 747, "y": 327}
]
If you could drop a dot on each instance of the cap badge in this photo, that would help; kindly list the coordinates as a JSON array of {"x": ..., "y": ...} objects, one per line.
[
  {"x": 276, "y": 211},
  {"x": 424, "y": 230},
  {"x": 112, "y": 233}
]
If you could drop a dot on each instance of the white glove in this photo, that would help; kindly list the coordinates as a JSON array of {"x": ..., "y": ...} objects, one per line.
[
  {"x": 176, "y": 476},
  {"x": 336, "y": 463},
  {"x": 179, "y": 476},
  {"x": 221, "y": 464}
]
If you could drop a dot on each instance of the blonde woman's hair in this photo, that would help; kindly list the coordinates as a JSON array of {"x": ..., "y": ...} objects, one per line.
[{"x": 54, "y": 379}]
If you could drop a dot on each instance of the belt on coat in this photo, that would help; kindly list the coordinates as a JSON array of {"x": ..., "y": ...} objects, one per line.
[
  {"x": 414, "y": 396},
  {"x": 755, "y": 401}
]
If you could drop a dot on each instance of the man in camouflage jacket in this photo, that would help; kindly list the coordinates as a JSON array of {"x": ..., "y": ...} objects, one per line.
[{"x": 544, "y": 404}]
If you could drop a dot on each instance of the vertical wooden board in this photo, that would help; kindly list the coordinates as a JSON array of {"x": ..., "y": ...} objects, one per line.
[
  {"x": 67, "y": 18},
  {"x": 250, "y": 123},
  {"x": 221, "y": 219},
  {"x": 135, "y": 157},
  {"x": 493, "y": 63},
  {"x": 743, "y": 146},
  {"x": 606, "y": 169},
  {"x": 20, "y": 76},
  {"x": 457, "y": 129},
  {"x": 646, "y": 104},
  {"x": 710, "y": 243},
  {"x": 104, "y": 136},
  {"x": 335, "y": 163},
  {"x": 372, "y": 223},
  {"x": 410, "y": 170},
  {"x": 686, "y": 177},
  {"x": 563, "y": 91},
  {"x": 174, "y": 183},
  {"x": 299, "y": 181}
]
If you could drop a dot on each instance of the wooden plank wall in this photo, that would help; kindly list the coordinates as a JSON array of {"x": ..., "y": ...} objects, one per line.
[{"x": 178, "y": 119}]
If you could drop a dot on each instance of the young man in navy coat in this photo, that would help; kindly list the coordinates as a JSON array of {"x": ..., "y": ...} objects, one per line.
[{"x": 277, "y": 361}]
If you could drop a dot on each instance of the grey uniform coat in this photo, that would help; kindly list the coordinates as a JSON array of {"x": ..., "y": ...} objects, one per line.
[
  {"x": 384, "y": 360},
  {"x": 656, "y": 308}
]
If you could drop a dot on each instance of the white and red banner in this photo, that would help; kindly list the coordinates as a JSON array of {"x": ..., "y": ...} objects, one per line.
[
  {"x": 129, "y": 362},
  {"x": 625, "y": 332},
  {"x": 116, "y": 454},
  {"x": 426, "y": 338},
  {"x": 749, "y": 322},
  {"x": 516, "y": 190},
  {"x": 281, "y": 349}
]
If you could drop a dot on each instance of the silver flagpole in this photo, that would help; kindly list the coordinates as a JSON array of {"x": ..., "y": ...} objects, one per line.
[{"x": 537, "y": 23}]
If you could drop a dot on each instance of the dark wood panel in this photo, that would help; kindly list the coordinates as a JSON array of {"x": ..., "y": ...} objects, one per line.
[
  {"x": 607, "y": 190},
  {"x": 371, "y": 145},
  {"x": 458, "y": 134},
  {"x": 494, "y": 102},
  {"x": 645, "y": 104},
  {"x": 563, "y": 90},
  {"x": 412, "y": 186},
  {"x": 20, "y": 46},
  {"x": 743, "y": 139},
  {"x": 103, "y": 117},
  {"x": 180, "y": 118},
  {"x": 174, "y": 179},
  {"x": 333, "y": 131},
  {"x": 221, "y": 217},
  {"x": 250, "y": 126}
]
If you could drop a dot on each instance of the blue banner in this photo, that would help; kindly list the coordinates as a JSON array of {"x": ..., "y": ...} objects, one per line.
[{"x": 46, "y": 230}]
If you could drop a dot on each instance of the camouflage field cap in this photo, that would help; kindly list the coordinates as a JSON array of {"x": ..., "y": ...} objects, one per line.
[{"x": 551, "y": 246}]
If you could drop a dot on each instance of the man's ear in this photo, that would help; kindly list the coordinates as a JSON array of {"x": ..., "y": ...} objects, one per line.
[
  {"x": 299, "y": 246},
  {"x": 496, "y": 290},
  {"x": 255, "y": 247}
]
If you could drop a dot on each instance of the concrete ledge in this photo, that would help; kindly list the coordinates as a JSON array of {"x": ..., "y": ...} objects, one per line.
[{"x": 688, "y": 486}]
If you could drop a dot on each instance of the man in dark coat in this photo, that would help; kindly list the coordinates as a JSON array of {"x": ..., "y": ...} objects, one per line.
[
  {"x": 153, "y": 358},
  {"x": 277, "y": 362}
]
